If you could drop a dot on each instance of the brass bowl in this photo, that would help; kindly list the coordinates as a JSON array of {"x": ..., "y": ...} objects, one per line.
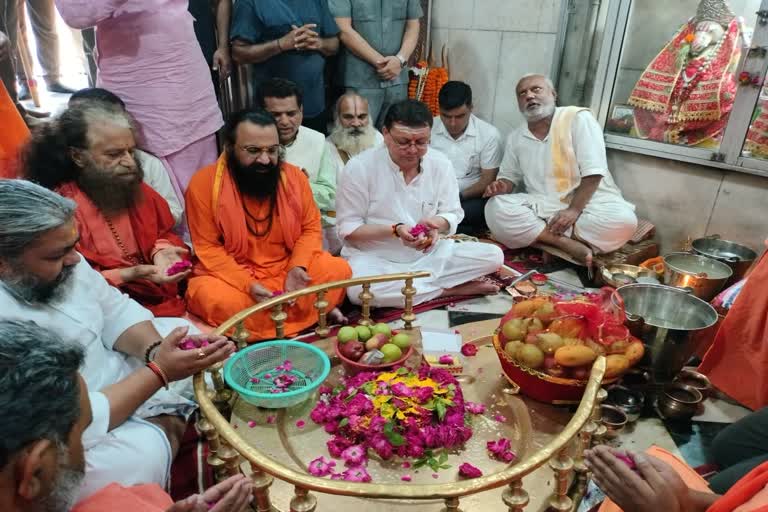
[
  {"x": 614, "y": 419},
  {"x": 679, "y": 401},
  {"x": 612, "y": 274},
  {"x": 696, "y": 380},
  {"x": 628, "y": 400}
]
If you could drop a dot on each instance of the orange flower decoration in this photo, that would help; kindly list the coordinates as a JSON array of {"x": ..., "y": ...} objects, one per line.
[{"x": 689, "y": 38}]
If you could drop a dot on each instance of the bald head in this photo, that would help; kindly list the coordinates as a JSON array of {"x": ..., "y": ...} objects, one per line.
[
  {"x": 352, "y": 111},
  {"x": 536, "y": 97}
]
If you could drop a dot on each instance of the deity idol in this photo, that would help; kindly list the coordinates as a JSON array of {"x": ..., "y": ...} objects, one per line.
[{"x": 686, "y": 94}]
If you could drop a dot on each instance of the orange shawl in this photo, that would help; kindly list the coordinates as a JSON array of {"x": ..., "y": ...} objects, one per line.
[
  {"x": 13, "y": 134},
  {"x": 116, "y": 498},
  {"x": 227, "y": 206},
  {"x": 736, "y": 361},
  {"x": 744, "y": 491},
  {"x": 151, "y": 220}
]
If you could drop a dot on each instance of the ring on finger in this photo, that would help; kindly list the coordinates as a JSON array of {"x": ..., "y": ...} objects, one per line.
[{"x": 200, "y": 354}]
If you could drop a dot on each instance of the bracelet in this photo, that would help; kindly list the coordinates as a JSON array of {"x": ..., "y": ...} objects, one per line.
[
  {"x": 279, "y": 47},
  {"x": 394, "y": 229},
  {"x": 159, "y": 372},
  {"x": 148, "y": 353}
]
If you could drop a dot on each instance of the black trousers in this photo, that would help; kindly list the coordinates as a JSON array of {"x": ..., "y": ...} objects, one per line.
[
  {"x": 474, "y": 217},
  {"x": 740, "y": 448}
]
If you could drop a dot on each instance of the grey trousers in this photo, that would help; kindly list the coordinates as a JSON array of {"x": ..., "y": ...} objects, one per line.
[
  {"x": 740, "y": 448},
  {"x": 380, "y": 99},
  {"x": 42, "y": 16}
]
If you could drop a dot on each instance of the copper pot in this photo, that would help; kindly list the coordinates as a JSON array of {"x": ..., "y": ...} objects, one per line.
[
  {"x": 628, "y": 400},
  {"x": 679, "y": 401},
  {"x": 613, "y": 418},
  {"x": 695, "y": 380}
]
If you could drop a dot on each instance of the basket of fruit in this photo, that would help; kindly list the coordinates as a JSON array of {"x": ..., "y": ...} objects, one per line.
[
  {"x": 371, "y": 348},
  {"x": 547, "y": 347}
]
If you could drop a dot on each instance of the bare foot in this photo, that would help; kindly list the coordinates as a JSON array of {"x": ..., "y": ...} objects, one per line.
[
  {"x": 472, "y": 288},
  {"x": 337, "y": 317},
  {"x": 577, "y": 250}
]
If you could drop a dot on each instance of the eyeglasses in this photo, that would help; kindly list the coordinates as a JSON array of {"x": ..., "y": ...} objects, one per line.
[
  {"x": 418, "y": 144},
  {"x": 271, "y": 152}
]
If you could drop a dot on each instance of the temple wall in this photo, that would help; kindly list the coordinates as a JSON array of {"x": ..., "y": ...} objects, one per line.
[{"x": 492, "y": 45}]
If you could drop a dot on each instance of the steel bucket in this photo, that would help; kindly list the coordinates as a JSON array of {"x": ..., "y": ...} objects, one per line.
[
  {"x": 705, "y": 277},
  {"x": 738, "y": 257},
  {"x": 665, "y": 319}
]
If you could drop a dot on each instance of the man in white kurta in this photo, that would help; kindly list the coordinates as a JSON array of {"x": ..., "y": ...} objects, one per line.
[
  {"x": 305, "y": 148},
  {"x": 353, "y": 131},
  {"x": 388, "y": 190},
  {"x": 570, "y": 200},
  {"x": 96, "y": 314},
  {"x": 43, "y": 279}
]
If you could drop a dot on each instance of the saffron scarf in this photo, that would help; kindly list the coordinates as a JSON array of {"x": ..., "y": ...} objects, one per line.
[
  {"x": 227, "y": 207},
  {"x": 13, "y": 135},
  {"x": 564, "y": 164}
]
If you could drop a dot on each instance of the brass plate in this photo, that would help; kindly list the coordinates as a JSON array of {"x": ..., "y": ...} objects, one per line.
[{"x": 530, "y": 425}]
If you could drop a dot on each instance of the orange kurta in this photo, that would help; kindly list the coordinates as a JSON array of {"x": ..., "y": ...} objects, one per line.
[
  {"x": 13, "y": 134},
  {"x": 116, "y": 498},
  {"x": 221, "y": 281}
]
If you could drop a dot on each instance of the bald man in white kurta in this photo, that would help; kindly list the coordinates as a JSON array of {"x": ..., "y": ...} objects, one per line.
[{"x": 517, "y": 219}]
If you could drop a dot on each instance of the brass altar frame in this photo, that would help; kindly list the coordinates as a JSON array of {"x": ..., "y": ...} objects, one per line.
[{"x": 228, "y": 448}]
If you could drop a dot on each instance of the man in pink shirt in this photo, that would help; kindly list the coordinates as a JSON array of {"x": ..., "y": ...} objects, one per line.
[{"x": 148, "y": 55}]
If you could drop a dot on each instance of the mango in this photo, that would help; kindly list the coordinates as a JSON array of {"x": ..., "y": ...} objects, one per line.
[
  {"x": 635, "y": 352},
  {"x": 575, "y": 355},
  {"x": 615, "y": 365}
]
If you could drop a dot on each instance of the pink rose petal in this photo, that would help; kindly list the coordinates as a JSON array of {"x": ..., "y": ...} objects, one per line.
[
  {"x": 270, "y": 419},
  {"x": 251, "y": 424},
  {"x": 469, "y": 471},
  {"x": 406, "y": 465},
  {"x": 300, "y": 424},
  {"x": 435, "y": 475},
  {"x": 446, "y": 359},
  {"x": 469, "y": 349},
  {"x": 500, "y": 418},
  {"x": 405, "y": 478}
]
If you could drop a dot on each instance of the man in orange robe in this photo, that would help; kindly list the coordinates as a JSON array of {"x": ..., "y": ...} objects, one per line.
[
  {"x": 256, "y": 232},
  {"x": 13, "y": 130},
  {"x": 124, "y": 225},
  {"x": 737, "y": 361}
]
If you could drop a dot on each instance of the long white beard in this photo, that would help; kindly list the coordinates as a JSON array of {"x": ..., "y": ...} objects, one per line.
[
  {"x": 345, "y": 139},
  {"x": 66, "y": 488},
  {"x": 541, "y": 112}
]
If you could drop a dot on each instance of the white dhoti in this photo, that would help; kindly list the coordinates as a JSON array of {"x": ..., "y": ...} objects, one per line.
[
  {"x": 517, "y": 220},
  {"x": 449, "y": 263}
]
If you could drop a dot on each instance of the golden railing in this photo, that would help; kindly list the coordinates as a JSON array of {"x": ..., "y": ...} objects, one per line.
[{"x": 227, "y": 447}]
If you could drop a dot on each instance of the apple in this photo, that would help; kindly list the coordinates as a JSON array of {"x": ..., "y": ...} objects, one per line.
[
  {"x": 377, "y": 341},
  {"x": 581, "y": 372},
  {"x": 353, "y": 350},
  {"x": 381, "y": 328},
  {"x": 363, "y": 333},
  {"x": 391, "y": 352},
  {"x": 347, "y": 333},
  {"x": 402, "y": 340},
  {"x": 552, "y": 368}
]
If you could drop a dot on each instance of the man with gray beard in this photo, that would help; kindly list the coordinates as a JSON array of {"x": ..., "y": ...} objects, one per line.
[
  {"x": 352, "y": 133},
  {"x": 570, "y": 201},
  {"x": 88, "y": 155},
  {"x": 47, "y": 420},
  {"x": 353, "y": 130}
]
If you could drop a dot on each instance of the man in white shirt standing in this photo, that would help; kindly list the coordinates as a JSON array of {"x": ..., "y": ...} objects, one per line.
[
  {"x": 571, "y": 201},
  {"x": 130, "y": 356},
  {"x": 473, "y": 147},
  {"x": 389, "y": 190},
  {"x": 353, "y": 131}
]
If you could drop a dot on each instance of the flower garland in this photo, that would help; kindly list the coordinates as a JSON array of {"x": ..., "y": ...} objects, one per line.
[{"x": 399, "y": 413}]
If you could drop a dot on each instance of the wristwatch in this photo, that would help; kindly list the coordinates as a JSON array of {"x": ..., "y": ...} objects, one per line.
[{"x": 403, "y": 61}]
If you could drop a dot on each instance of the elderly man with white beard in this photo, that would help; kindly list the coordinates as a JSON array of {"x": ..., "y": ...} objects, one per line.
[
  {"x": 353, "y": 130},
  {"x": 570, "y": 201}
]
